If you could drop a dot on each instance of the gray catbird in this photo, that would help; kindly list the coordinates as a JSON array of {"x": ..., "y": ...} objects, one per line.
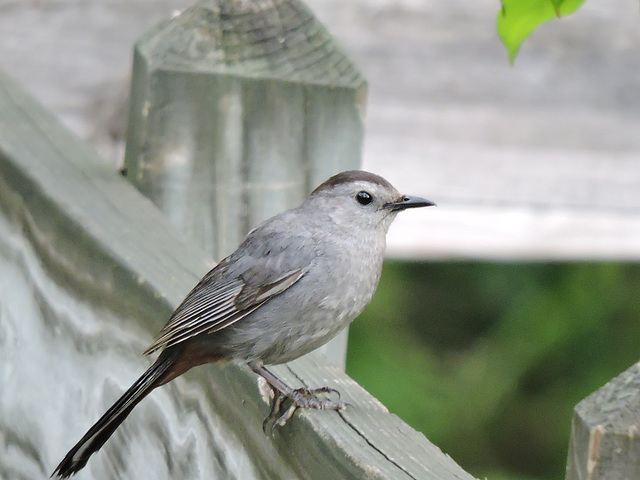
[{"x": 296, "y": 280}]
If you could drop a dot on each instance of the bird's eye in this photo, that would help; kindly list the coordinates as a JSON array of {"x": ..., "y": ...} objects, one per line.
[{"x": 364, "y": 198}]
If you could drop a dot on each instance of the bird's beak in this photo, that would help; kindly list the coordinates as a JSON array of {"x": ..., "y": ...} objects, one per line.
[{"x": 409, "y": 202}]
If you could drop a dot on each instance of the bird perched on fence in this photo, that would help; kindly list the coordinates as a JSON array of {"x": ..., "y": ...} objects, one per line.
[{"x": 296, "y": 280}]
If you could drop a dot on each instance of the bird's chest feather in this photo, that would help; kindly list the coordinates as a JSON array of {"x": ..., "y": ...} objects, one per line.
[{"x": 350, "y": 279}]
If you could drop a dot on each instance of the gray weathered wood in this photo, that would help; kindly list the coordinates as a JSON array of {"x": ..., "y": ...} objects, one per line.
[
  {"x": 238, "y": 110},
  {"x": 605, "y": 433},
  {"x": 90, "y": 269}
]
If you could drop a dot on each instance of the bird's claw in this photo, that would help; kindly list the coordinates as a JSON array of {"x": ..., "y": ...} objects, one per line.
[{"x": 299, "y": 398}]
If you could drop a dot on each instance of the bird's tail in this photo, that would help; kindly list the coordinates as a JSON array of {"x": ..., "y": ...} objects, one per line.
[{"x": 160, "y": 372}]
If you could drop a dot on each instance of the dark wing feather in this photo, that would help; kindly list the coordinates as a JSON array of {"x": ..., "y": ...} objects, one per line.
[{"x": 221, "y": 299}]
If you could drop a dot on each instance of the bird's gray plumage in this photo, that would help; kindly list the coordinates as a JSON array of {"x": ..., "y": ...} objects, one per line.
[
  {"x": 279, "y": 296},
  {"x": 295, "y": 281}
]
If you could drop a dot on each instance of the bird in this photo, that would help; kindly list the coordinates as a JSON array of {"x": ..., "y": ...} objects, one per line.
[{"x": 295, "y": 281}]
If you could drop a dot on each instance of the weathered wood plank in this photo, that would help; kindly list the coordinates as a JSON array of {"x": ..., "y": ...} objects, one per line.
[
  {"x": 89, "y": 270},
  {"x": 605, "y": 434},
  {"x": 238, "y": 111}
]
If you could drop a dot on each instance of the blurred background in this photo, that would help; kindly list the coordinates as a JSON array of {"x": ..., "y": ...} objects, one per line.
[
  {"x": 515, "y": 298},
  {"x": 488, "y": 359}
]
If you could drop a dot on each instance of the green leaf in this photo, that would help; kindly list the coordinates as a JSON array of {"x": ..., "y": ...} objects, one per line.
[{"x": 518, "y": 18}]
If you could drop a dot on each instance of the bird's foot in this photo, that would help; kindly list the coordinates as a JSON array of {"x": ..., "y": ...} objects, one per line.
[
  {"x": 287, "y": 400},
  {"x": 285, "y": 405},
  {"x": 307, "y": 398}
]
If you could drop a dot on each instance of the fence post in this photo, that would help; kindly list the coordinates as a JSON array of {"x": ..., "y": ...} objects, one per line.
[
  {"x": 238, "y": 109},
  {"x": 605, "y": 432}
]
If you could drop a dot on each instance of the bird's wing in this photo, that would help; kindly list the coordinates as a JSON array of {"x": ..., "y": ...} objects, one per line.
[{"x": 223, "y": 297}]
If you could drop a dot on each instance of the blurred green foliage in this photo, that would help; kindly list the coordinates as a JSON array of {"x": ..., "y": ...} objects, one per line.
[{"x": 489, "y": 359}]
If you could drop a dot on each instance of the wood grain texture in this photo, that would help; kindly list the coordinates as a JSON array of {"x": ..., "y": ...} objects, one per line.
[{"x": 605, "y": 435}]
